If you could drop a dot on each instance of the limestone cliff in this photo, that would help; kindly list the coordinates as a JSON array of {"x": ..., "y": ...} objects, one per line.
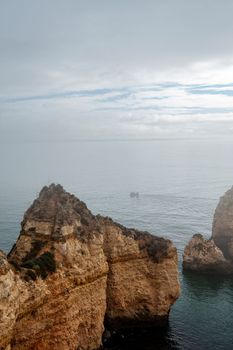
[
  {"x": 71, "y": 274},
  {"x": 222, "y": 232}
]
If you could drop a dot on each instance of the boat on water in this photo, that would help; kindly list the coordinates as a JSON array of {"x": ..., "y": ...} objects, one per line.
[{"x": 134, "y": 194}]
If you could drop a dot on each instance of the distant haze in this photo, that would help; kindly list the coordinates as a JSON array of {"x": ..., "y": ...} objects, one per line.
[{"x": 125, "y": 69}]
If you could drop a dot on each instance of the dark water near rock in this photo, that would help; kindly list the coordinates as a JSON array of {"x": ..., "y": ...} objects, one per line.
[{"x": 179, "y": 183}]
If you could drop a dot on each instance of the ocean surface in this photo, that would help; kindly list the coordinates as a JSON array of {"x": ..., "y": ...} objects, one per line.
[{"x": 179, "y": 181}]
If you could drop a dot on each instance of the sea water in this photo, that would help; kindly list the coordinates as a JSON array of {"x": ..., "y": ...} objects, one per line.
[{"x": 179, "y": 184}]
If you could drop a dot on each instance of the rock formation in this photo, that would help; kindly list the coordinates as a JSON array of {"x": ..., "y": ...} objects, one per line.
[
  {"x": 222, "y": 232},
  {"x": 202, "y": 255},
  {"x": 216, "y": 253},
  {"x": 71, "y": 274}
]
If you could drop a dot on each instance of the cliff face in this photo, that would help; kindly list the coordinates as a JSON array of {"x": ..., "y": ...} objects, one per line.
[
  {"x": 222, "y": 232},
  {"x": 71, "y": 273},
  {"x": 215, "y": 254},
  {"x": 142, "y": 278}
]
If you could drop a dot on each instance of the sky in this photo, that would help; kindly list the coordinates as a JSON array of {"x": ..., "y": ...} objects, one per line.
[{"x": 115, "y": 70}]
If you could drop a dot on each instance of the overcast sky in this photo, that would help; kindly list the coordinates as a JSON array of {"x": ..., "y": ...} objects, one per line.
[{"x": 122, "y": 69}]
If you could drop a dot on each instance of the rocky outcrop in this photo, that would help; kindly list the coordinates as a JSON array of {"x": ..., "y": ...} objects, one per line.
[
  {"x": 202, "y": 255},
  {"x": 72, "y": 274},
  {"x": 222, "y": 232},
  {"x": 215, "y": 254}
]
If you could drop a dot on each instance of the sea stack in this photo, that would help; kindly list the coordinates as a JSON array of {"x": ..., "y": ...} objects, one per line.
[
  {"x": 202, "y": 255},
  {"x": 214, "y": 254},
  {"x": 71, "y": 275},
  {"x": 222, "y": 232}
]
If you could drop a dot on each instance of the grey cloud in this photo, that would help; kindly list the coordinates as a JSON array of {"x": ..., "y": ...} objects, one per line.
[{"x": 77, "y": 68}]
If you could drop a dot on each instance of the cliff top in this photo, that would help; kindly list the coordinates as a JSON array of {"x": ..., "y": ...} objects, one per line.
[
  {"x": 57, "y": 216},
  {"x": 55, "y": 205}
]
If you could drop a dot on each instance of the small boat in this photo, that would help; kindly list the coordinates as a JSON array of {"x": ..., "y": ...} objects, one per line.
[{"x": 134, "y": 194}]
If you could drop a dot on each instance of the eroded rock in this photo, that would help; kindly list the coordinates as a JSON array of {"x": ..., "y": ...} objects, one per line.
[
  {"x": 222, "y": 232},
  {"x": 202, "y": 255},
  {"x": 70, "y": 273},
  {"x": 216, "y": 253}
]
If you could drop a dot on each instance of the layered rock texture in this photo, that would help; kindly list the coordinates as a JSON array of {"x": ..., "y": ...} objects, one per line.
[
  {"x": 72, "y": 274},
  {"x": 216, "y": 253}
]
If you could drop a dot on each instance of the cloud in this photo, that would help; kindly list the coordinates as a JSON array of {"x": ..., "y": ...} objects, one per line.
[
  {"x": 213, "y": 91},
  {"x": 80, "y": 70}
]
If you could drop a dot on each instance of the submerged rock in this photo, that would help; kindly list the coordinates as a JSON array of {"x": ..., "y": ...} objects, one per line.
[{"x": 71, "y": 275}]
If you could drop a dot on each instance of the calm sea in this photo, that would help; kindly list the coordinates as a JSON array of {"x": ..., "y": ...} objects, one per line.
[{"x": 179, "y": 181}]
